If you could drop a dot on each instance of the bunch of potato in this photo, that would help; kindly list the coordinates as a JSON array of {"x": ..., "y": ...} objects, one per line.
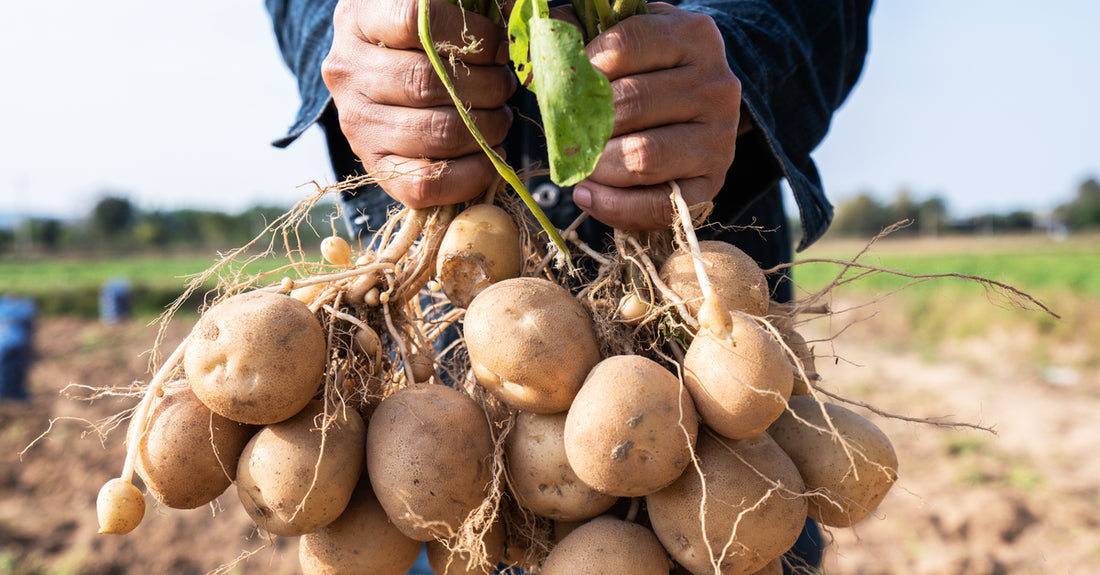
[{"x": 638, "y": 463}]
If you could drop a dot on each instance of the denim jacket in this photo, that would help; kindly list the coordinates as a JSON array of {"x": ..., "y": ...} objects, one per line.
[{"x": 797, "y": 61}]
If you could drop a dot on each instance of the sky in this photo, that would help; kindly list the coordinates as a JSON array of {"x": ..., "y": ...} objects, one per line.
[{"x": 989, "y": 104}]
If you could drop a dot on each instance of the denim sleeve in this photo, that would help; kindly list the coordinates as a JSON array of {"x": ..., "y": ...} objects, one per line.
[
  {"x": 797, "y": 61},
  {"x": 304, "y": 31}
]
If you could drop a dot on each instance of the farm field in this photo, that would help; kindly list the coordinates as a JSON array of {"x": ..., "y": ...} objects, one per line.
[{"x": 1024, "y": 499}]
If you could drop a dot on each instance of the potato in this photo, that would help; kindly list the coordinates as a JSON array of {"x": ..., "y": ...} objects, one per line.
[
  {"x": 738, "y": 389},
  {"x": 531, "y": 343},
  {"x": 444, "y": 562},
  {"x": 842, "y": 495},
  {"x": 361, "y": 540},
  {"x": 736, "y": 277},
  {"x": 631, "y": 427},
  {"x": 293, "y": 478},
  {"x": 428, "y": 452},
  {"x": 120, "y": 507},
  {"x": 188, "y": 454},
  {"x": 256, "y": 357},
  {"x": 607, "y": 546},
  {"x": 480, "y": 248},
  {"x": 539, "y": 472},
  {"x": 802, "y": 351},
  {"x": 755, "y": 508}
]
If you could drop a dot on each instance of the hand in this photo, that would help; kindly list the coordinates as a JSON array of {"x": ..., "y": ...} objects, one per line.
[
  {"x": 394, "y": 110},
  {"x": 677, "y": 109}
]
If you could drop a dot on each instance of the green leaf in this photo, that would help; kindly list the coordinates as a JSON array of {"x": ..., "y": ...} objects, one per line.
[
  {"x": 574, "y": 99},
  {"x": 519, "y": 36}
]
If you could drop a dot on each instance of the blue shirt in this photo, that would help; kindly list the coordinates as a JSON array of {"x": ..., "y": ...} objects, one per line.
[{"x": 797, "y": 62}]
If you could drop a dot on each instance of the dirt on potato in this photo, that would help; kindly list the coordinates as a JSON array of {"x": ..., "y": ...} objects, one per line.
[{"x": 967, "y": 502}]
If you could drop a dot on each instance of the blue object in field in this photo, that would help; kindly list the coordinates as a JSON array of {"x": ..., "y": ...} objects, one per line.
[
  {"x": 114, "y": 300},
  {"x": 16, "y": 335}
]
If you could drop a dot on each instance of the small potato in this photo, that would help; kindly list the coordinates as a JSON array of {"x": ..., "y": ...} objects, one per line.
[
  {"x": 188, "y": 454},
  {"x": 531, "y": 343},
  {"x": 607, "y": 546},
  {"x": 361, "y": 540},
  {"x": 736, "y": 277},
  {"x": 293, "y": 478},
  {"x": 754, "y": 498},
  {"x": 738, "y": 389},
  {"x": 256, "y": 357},
  {"x": 120, "y": 507},
  {"x": 631, "y": 428},
  {"x": 540, "y": 475},
  {"x": 480, "y": 248},
  {"x": 428, "y": 452},
  {"x": 843, "y": 494}
]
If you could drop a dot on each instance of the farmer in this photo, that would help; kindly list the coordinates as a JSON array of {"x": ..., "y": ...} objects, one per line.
[{"x": 726, "y": 97}]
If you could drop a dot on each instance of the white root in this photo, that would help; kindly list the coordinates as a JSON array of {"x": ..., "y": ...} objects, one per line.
[{"x": 138, "y": 425}]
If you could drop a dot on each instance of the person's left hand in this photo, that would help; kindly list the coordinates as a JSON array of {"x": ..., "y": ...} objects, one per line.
[{"x": 677, "y": 109}]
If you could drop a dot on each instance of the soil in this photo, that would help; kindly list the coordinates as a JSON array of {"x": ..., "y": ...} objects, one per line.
[{"x": 1023, "y": 500}]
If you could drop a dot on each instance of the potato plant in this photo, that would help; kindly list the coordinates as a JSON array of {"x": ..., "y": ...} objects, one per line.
[{"x": 659, "y": 408}]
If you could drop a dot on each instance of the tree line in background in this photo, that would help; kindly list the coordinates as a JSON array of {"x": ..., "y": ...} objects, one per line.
[
  {"x": 864, "y": 216},
  {"x": 115, "y": 224}
]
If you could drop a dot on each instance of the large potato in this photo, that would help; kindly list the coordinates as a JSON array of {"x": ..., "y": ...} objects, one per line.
[
  {"x": 256, "y": 357},
  {"x": 844, "y": 490},
  {"x": 188, "y": 454},
  {"x": 755, "y": 508},
  {"x": 480, "y": 248},
  {"x": 631, "y": 427},
  {"x": 428, "y": 453},
  {"x": 531, "y": 343},
  {"x": 736, "y": 277},
  {"x": 738, "y": 388},
  {"x": 361, "y": 540},
  {"x": 607, "y": 546},
  {"x": 294, "y": 478},
  {"x": 539, "y": 471}
]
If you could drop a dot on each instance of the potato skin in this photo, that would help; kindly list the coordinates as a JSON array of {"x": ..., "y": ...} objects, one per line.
[
  {"x": 738, "y": 389},
  {"x": 732, "y": 470},
  {"x": 631, "y": 427},
  {"x": 736, "y": 277},
  {"x": 607, "y": 546},
  {"x": 840, "y": 498},
  {"x": 531, "y": 343},
  {"x": 480, "y": 248},
  {"x": 188, "y": 454},
  {"x": 361, "y": 540},
  {"x": 256, "y": 357},
  {"x": 428, "y": 452},
  {"x": 283, "y": 467},
  {"x": 541, "y": 478}
]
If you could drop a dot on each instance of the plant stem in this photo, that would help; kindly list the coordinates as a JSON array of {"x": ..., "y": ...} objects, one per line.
[
  {"x": 607, "y": 18},
  {"x": 501, "y": 166}
]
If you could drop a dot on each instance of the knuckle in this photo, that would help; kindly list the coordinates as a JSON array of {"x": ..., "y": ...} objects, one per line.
[
  {"x": 629, "y": 97},
  {"x": 335, "y": 70},
  {"x": 445, "y": 127},
  {"x": 420, "y": 82},
  {"x": 639, "y": 157}
]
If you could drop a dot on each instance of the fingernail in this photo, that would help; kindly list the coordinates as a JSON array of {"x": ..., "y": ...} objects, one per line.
[{"x": 582, "y": 197}]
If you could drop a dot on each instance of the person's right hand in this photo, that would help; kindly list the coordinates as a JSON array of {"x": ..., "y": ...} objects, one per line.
[{"x": 394, "y": 110}]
